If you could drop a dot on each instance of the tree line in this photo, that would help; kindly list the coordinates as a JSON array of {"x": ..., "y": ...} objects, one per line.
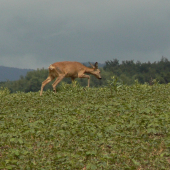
[{"x": 127, "y": 72}]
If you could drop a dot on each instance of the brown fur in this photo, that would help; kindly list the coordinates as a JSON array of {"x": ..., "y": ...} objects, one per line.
[{"x": 70, "y": 69}]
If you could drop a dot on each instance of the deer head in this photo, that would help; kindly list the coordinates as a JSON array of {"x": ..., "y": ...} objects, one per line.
[{"x": 96, "y": 71}]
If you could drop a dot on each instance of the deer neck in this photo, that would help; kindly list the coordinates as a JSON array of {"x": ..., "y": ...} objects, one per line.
[{"x": 89, "y": 70}]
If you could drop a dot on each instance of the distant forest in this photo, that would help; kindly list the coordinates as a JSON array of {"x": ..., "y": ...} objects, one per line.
[{"x": 127, "y": 72}]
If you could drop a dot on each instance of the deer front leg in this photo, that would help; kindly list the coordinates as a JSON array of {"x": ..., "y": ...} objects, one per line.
[{"x": 85, "y": 76}]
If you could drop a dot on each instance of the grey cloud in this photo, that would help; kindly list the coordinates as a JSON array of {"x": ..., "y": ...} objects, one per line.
[{"x": 34, "y": 34}]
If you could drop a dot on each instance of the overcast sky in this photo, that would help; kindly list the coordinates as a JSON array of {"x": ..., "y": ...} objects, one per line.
[{"x": 36, "y": 33}]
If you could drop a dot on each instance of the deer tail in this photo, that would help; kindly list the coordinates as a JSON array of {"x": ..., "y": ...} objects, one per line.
[{"x": 51, "y": 67}]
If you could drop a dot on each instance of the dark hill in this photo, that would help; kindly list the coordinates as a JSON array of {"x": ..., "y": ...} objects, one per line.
[{"x": 11, "y": 74}]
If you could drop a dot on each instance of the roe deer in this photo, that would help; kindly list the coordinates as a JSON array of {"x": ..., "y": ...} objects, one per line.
[{"x": 69, "y": 69}]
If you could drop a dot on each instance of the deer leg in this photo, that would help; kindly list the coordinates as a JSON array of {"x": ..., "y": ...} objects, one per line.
[
  {"x": 56, "y": 82},
  {"x": 72, "y": 79},
  {"x": 85, "y": 76},
  {"x": 44, "y": 83}
]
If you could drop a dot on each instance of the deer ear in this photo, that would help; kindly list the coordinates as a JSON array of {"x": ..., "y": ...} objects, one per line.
[
  {"x": 92, "y": 65},
  {"x": 96, "y": 65}
]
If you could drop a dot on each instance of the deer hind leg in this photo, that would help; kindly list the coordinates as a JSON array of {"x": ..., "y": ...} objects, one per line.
[
  {"x": 44, "y": 83},
  {"x": 56, "y": 82},
  {"x": 73, "y": 82}
]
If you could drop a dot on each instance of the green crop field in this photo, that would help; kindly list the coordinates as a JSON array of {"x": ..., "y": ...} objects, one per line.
[{"x": 113, "y": 127}]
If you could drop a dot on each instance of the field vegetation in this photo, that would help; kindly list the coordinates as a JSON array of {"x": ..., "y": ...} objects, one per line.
[{"x": 111, "y": 127}]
